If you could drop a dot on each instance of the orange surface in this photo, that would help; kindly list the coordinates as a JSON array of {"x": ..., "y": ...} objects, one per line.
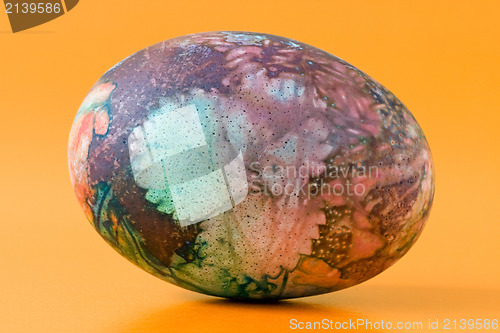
[{"x": 441, "y": 58}]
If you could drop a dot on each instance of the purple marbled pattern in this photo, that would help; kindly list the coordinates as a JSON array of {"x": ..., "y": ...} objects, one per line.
[{"x": 331, "y": 178}]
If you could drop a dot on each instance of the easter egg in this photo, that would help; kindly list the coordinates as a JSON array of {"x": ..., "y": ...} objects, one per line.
[{"x": 250, "y": 166}]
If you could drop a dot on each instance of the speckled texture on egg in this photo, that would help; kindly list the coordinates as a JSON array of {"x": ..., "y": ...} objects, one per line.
[{"x": 248, "y": 165}]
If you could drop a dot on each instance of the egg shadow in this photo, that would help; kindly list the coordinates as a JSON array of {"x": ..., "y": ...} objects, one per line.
[
  {"x": 219, "y": 315},
  {"x": 371, "y": 303}
]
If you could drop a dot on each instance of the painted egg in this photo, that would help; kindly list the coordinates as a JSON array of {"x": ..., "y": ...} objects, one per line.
[{"x": 250, "y": 166}]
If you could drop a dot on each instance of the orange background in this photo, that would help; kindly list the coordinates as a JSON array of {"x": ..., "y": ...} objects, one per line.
[{"x": 441, "y": 58}]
